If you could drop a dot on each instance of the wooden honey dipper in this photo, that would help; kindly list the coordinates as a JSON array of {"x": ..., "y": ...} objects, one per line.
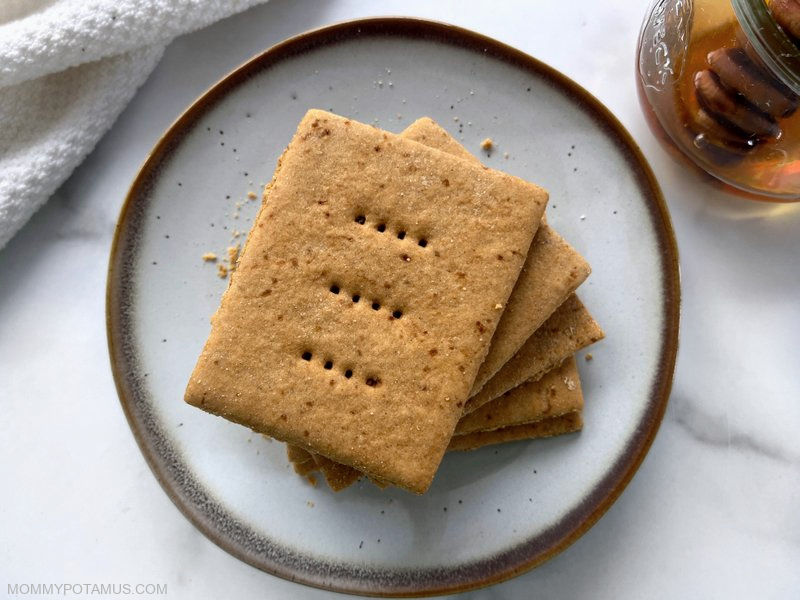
[{"x": 740, "y": 102}]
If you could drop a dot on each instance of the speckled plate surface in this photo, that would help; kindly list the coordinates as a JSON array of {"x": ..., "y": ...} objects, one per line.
[{"x": 490, "y": 514}]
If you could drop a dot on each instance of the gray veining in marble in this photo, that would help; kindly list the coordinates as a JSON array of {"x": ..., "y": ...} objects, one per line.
[{"x": 706, "y": 429}]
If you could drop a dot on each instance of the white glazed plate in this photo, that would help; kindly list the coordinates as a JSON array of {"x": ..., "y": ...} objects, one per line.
[{"x": 492, "y": 513}]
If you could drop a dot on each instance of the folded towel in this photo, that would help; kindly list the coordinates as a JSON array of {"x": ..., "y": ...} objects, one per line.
[{"x": 67, "y": 69}]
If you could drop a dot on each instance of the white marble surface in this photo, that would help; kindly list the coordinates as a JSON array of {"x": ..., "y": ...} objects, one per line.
[{"x": 713, "y": 511}]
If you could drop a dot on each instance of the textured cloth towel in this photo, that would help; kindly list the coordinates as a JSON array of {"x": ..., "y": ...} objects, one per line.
[{"x": 67, "y": 69}]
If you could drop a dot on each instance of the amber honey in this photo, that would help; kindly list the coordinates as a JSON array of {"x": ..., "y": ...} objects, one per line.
[{"x": 706, "y": 92}]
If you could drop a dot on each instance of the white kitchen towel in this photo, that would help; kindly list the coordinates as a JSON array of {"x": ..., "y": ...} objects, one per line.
[{"x": 67, "y": 69}]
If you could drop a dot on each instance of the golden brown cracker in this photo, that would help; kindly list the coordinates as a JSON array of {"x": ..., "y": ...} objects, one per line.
[
  {"x": 553, "y": 426},
  {"x": 547, "y": 279},
  {"x": 558, "y": 392},
  {"x": 552, "y": 271},
  {"x": 337, "y": 476},
  {"x": 302, "y": 461},
  {"x": 567, "y": 330},
  {"x": 528, "y": 304},
  {"x": 345, "y": 476},
  {"x": 364, "y": 299}
]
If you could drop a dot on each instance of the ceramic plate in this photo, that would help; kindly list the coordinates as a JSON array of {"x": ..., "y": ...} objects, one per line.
[{"x": 490, "y": 514}]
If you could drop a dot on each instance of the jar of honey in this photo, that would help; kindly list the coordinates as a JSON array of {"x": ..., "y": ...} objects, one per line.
[{"x": 719, "y": 80}]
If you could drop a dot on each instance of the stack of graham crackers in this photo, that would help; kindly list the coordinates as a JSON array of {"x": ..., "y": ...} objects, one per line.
[{"x": 396, "y": 299}]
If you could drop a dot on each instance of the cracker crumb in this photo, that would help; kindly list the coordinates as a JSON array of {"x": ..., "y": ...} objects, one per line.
[
  {"x": 233, "y": 256},
  {"x": 505, "y": 154},
  {"x": 588, "y": 357},
  {"x": 252, "y": 195},
  {"x": 309, "y": 503},
  {"x": 236, "y": 233},
  {"x": 209, "y": 257},
  {"x": 222, "y": 271},
  {"x": 487, "y": 144},
  {"x": 583, "y": 217}
]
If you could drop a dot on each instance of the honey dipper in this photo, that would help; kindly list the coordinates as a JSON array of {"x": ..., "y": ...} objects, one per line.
[{"x": 740, "y": 102}]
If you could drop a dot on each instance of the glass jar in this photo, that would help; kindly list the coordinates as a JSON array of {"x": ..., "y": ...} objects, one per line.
[{"x": 720, "y": 81}]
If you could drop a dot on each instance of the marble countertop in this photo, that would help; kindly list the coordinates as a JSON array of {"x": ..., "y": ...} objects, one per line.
[{"x": 713, "y": 511}]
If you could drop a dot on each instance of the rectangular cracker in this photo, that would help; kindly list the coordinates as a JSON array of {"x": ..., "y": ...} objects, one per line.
[
  {"x": 568, "y": 329},
  {"x": 550, "y": 260},
  {"x": 553, "y": 426},
  {"x": 345, "y": 476},
  {"x": 552, "y": 271},
  {"x": 558, "y": 392},
  {"x": 343, "y": 218}
]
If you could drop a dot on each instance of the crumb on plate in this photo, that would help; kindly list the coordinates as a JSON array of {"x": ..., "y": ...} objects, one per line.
[{"x": 233, "y": 256}]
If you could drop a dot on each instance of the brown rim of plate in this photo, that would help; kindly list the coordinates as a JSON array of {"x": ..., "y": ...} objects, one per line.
[{"x": 211, "y": 518}]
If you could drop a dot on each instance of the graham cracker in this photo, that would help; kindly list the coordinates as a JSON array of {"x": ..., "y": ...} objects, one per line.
[
  {"x": 365, "y": 298},
  {"x": 558, "y": 392},
  {"x": 345, "y": 476},
  {"x": 553, "y": 426},
  {"x": 549, "y": 258},
  {"x": 552, "y": 271},
  {"x": 337, "y": 475},
  {"x": 302, "y": 461},
  {"x": 568, "y": 329}
]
